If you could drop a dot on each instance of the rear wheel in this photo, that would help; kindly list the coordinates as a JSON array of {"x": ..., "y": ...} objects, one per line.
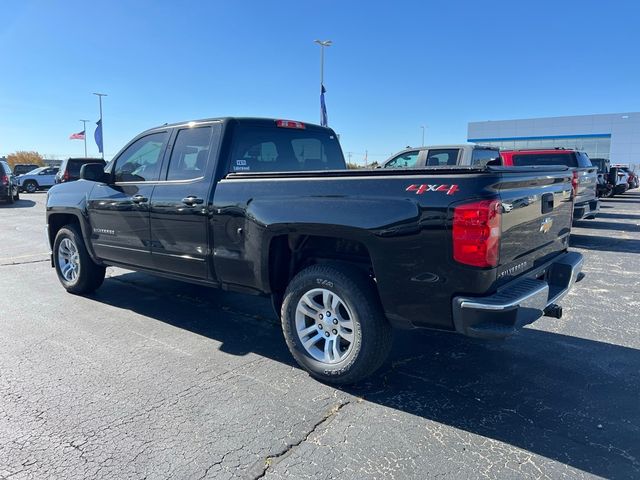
[
  {"x": 11, "y": 197},
  {"x": 16, "y": 197},
  {"x": 31, "y": 186},
  {"x": 334, "y": 325},
  {"x": 76, "y": 271}
]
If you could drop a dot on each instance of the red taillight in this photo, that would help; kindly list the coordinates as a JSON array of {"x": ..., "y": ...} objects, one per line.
[
  {"x": 65, "y": 177},
  {"x": 476, "y": 233},
  {"x": 574, "y": 183},
  {"x": 5, "y": 180},
  {"x": 290, "y": 124}
]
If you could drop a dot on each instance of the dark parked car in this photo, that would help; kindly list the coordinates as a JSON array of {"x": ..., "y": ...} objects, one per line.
[
  {"x": 70, "y": 168},
  {"x": 22, "y": 168},
  {"x": 585, "y": 174},
  {"x": 606, "y": 183},
  {"x": 8, "y": 185},
  {"x": 268, "y": 207}
]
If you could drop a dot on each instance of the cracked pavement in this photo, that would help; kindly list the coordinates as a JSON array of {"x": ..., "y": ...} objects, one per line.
[{"x": 151, "y": 378}]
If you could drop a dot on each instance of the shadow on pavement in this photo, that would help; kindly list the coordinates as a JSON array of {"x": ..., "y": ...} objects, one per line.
[
  {"x": 569, "y": 399},
  {"x": 622, "y": 216},
  {"x": 19, "y": 204},
  {"x": 626, "y": 198},
  {"x": 601, "y": 225},
  {"x": 604, "y": 244}
]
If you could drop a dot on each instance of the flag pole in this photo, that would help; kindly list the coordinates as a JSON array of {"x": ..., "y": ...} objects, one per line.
[
  {"x": 322, "y": 43},
  {"x": 100, "y": 95},
  {"x": 84, "y": 129}
]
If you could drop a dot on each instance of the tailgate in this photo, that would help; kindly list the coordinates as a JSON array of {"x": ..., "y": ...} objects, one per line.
[{"x": 537, "y": 211}]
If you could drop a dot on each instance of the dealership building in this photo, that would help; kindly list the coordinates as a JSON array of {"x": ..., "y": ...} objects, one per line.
[{"x": 615, "y": 136}]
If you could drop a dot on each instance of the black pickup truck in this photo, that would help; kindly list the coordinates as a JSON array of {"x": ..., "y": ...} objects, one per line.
[{"x": 268, "y": 207}]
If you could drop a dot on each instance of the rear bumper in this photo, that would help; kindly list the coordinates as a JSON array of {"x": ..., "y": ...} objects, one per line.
[
  {"x": 586, "y": 209},
  {"x": 5, "y": 191},
  {"x": 519, "y": 302}
]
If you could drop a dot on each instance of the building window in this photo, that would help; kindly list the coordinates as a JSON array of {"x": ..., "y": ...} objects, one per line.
[{"x": 594, "y": 146}]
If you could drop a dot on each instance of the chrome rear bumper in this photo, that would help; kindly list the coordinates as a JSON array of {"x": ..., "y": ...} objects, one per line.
[{"x": 519, "y": 302}]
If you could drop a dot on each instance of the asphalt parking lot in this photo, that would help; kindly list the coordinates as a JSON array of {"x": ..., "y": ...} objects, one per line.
[{"x": 151, "y": 378}]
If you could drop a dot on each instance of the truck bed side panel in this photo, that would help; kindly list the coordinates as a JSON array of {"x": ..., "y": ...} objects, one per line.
[{"x": 406, "y": 233}]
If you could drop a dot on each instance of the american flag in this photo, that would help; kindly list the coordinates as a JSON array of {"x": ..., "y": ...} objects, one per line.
[{"x": 77, "y": 136}]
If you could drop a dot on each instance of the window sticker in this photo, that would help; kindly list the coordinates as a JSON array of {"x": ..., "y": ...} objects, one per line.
[{"x": 241, "y": 166}]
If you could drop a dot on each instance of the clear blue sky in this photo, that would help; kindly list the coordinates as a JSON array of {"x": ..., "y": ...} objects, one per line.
[{"x": 394, "y": 66}]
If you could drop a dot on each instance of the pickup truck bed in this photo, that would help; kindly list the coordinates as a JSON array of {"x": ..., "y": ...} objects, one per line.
[{"x": 344, "y": 254}]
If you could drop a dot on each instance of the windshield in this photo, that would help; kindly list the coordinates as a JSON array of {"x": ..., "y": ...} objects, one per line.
[{"x": 36, "y": 171}]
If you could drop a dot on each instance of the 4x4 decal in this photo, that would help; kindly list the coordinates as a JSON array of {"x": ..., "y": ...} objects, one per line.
[{"x": 420, "y": 189}]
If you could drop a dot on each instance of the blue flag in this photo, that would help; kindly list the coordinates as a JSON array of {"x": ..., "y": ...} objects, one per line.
[
  {"x": 98, "y": 135},
  {"x": 323, "y": 108}
]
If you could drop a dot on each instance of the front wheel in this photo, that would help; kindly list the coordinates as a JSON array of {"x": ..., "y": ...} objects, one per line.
[
  {"x": 76, "y": 271},
  {"x": 31, "y": 187},
  {"x": 334, "y": 325}
]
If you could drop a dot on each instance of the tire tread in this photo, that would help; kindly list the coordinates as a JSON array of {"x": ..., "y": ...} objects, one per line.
[{"x": 377, "y": 343}]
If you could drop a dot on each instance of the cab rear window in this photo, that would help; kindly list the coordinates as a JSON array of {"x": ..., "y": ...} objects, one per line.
[
  {"x": 263, "y": 149},
  {"x": 567, "y": 159}
]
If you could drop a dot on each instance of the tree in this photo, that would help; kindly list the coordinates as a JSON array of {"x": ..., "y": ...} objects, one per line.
[{"x": 25, "y": 157}]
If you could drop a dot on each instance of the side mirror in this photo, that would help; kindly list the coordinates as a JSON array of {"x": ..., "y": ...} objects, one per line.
[{"x": 93, "y": 172}]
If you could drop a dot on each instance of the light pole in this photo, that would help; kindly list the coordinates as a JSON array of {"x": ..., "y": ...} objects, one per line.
[
  {"x": 423, "y": 129},
  {"x": 84, "y": 129},
  {"x": 323, "y": 111},
  {"x": 100, "y": 95}
]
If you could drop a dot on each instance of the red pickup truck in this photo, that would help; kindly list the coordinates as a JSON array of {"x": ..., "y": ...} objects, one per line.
[{"x": 585, "y": 174}]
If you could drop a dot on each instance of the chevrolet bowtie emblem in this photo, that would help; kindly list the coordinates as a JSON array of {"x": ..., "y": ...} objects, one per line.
[{"x": 546, "y": 225}]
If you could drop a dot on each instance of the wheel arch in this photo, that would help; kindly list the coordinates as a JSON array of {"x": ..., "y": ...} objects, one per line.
[
  {"x": 289, "y": 253},
  {"x": 59, "y": 219}
]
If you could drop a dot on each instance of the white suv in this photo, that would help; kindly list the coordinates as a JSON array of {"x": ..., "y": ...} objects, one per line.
[{"x": 43, "y": 177}]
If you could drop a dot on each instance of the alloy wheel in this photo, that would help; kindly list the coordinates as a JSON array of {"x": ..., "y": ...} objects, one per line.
[{"x": 325, "y": 326}]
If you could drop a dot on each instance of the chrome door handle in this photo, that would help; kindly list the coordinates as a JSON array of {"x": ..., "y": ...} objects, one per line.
[
  {"x": 139, "y": 199},
  {"x": 191, "y": 200}
]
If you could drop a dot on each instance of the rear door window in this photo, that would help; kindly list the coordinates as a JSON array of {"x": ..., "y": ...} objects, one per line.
[
  {"x": 567, "y": 159},
  {"x": 442, "y": 156},
  {"x": 190, "y": 154},
  {"x": 264, "y": 149},
  {"x": 404, "y": 160}
]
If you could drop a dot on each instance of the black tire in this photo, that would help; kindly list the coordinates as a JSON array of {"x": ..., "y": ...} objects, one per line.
[
  {"x": 372, "y": 335},
  {"x": 11, "y": 198},
  {"x": 31, "y": 186},
  {"x": 90, "y": 275}
]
